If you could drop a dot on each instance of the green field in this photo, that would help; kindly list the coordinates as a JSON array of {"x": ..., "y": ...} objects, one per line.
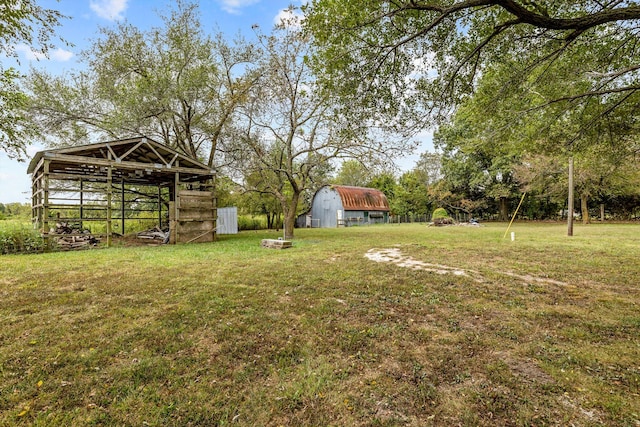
[
  {"x": 456, "y": 326},
  {"x": 12, "y": 224}
]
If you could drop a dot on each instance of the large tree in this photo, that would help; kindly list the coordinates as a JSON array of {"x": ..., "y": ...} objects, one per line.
[
  {"x": 173, "y": 83},
  {"x": 414, "y": 60},
  {"x": 353, "y": 172},
  {"x": 293, "y": 129},
  {"x": 386, "y": 182},
  {"x": 477, "y": 158},
  {"x": 22, "y": 22},
  {"x": 411, "y": 195},
  {"x": 484, "y": 140}
]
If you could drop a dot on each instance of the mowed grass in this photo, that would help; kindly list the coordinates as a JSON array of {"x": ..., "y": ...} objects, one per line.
[{"x": 544, "y": 330}]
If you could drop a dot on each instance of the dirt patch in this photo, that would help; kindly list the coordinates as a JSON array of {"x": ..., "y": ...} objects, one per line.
[
  {"x": 131, "y": 240},
  {"x": 395, "y": 256},
  {"x": 527, "y": 278},
  {"x": 528, "y": 370}
]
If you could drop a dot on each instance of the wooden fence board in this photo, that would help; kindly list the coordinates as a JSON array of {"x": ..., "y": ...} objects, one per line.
[{"x": 196, "y": 215}]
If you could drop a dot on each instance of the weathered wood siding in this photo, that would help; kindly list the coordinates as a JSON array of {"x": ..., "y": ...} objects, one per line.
[{"x": 194, "y": 217}]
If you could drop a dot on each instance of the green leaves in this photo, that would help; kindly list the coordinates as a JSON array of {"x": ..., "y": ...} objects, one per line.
[
  {"x": 174, "y": 83},
  {"x": 411, "y": 63},
  {"x": 14, "y": 134},
  {"x": 26, "y": 23}
]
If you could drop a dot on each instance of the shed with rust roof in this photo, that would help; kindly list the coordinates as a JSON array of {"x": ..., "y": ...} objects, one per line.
[{"x": 336, "y": 205}]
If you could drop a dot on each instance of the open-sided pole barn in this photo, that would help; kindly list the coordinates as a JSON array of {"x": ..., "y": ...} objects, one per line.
[{"x": 111, "y": 182}]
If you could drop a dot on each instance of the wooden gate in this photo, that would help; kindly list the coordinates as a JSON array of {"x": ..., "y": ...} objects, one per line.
[{"x": 193, "y": 217}]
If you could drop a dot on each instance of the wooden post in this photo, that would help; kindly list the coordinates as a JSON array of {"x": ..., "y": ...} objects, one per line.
[
  {"x": 172, "y": 222},
  {"x": 215, "y": 209},
  {"x": 81, "y": 201},
  {"x": 36, "y": 201},
  {"x": 176, "y": 205},
  {"x": 109, "y": 195},
  {"x": 570, "y": 200},
  {"x": 122, "y": 207},
  {"x": 45, "y": 206},
  {"x": 34, "y": 212},
  {"x": 159, "y": 207}
]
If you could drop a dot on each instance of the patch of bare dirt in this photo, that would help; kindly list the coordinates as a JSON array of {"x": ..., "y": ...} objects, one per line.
[
  {"x": 395, "y": 256},
  {"x": 527, "y": 370}
]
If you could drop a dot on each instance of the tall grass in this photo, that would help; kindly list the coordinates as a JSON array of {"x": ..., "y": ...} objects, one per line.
[
  {"x": 251, "y": 222},
  {"x": 18, "y": 237}
]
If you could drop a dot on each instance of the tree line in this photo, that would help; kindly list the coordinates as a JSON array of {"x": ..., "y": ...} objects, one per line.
[
  {"x": 15, "y": 210},
  {"x": 515, "y": 90}
]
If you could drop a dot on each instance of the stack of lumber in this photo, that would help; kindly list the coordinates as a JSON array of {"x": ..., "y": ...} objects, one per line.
[
  {"x": 72, "y": 238},
  {"x": 154, "y": 234}
]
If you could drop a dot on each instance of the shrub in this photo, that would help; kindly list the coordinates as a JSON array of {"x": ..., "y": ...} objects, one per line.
[
  {"x": 249, "y": 222},
  {"x": 440, "y": 213},
  {"x": 20, "y": 240},
  {"x": 441, "y": 217}
]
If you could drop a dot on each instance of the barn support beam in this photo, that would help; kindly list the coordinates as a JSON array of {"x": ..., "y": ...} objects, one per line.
[
  {"x": 176, "y": 204},
  {"x": 109, "y": 197},
  {"x": 160, "y": 207},
  {"x": 81, "y": 202},
  {"x": 36, "y": 201},
  {"x": 122, "y": 207},
  {"x": 45, "y": 206}
]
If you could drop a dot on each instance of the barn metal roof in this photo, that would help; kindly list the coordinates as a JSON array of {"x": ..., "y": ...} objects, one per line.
[{"x": 361, "y": 198}]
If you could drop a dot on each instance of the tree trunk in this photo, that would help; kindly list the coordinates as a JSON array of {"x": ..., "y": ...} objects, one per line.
[
  {"x": 584, "y": 208},
  {"x": 602, "y": 212},
  {"x": 570, "y": 200},
  {"x": 289, "y": 222},
  {"x": 504, "y": 209},
  {"x": 290, "y": 216}
]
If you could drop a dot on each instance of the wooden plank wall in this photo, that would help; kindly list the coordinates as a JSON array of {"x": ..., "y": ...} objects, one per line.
[{"x": 194, "y": 217}]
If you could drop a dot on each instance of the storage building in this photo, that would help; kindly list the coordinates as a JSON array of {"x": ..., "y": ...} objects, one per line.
[{"x": 342, "y": 205}]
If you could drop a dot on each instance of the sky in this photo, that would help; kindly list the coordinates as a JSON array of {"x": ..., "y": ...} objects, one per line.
[{"x": 86, "y": 17}]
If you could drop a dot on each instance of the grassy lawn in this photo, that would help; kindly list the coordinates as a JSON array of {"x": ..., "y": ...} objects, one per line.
[{"x": 455, "y": 326}]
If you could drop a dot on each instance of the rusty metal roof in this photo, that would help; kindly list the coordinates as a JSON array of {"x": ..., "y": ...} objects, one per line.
[{"x": 361, "y": 199}]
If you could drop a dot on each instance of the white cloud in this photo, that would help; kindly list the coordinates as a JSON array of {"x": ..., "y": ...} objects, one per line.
[
  {"x": 109, "y": 9},
  {"x": 234, "y": 6},
  {"x": 59, "y": 54},
  {"x": 288, "y": 18},
  {"x": 29, "y": 53}
]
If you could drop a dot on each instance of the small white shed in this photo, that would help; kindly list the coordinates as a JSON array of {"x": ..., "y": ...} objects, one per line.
[{"x": 228, "y": 220}]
